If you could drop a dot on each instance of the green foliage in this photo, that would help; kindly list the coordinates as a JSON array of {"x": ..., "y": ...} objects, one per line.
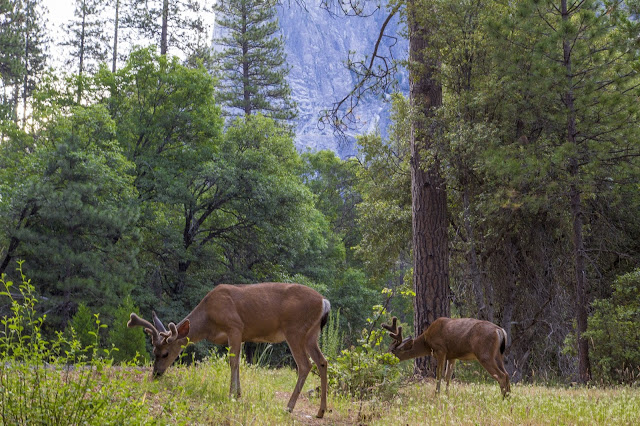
[
  {"x": 251, "y": 64},
  {"x": 352, "y": 295},
  {"x": 74, "y": 215},
  {"x": 37, "y": 384},
  {"x": 614, "y": 332},
  {"x": 366, "y": 370},
  {"x": 332, "y": 338},
  {"x": 130, "y": 344},
  {"x": 384, "y": 182},
  {"x": 83, "y": 324}
]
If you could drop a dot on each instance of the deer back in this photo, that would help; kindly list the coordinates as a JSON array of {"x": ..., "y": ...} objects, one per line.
[
  {"x": 261, "y": 312},
  {"x": 462, "y": 338}
]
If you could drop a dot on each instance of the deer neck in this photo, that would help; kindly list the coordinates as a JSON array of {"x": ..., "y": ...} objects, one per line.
[
  {"x": 197, "y": 326},
  {"x": 419, "y": 349}
]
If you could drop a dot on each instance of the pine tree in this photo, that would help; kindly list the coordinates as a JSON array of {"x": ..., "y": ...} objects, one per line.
[
  {"x": 250, "y": 60},
  {"x": 33, "y": 53},
  {"x": 179, "y": 23},
  {"x": 22, "y": 57},
  {"x": 582, "y": 60},
  {"x": 87, "y": 39}
]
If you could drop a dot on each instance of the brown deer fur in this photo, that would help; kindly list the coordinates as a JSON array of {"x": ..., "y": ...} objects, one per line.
[
  {"x": 232, "y": 314},
  {"x": 450, "y": 339}
]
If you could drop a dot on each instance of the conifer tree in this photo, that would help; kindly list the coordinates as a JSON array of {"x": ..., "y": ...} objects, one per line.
[
  {"x": 180, "y": 24},
  {"x": 87, "y": 39},
  {"x": 22, "y": 54},
  {"x": 250, "y": 61}
]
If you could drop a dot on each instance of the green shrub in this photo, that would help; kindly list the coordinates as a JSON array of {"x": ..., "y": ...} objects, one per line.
[
  {"x": 83, "y": 323},
  {"x": 614, "y": 332},
  {"x": 52, "y": 382},
  {"x": 366, "y": 370},
  {"x": 331, "y": 338},
  {"x": 129, "y": 344}
]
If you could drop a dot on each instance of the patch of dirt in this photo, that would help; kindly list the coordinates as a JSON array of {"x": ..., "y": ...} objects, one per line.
[{"x": 306, "y": 409}]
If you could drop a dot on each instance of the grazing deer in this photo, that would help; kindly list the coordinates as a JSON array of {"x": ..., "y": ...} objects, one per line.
[
  {"x": 450, "y": 339},
  {"x": 232, "y": 314}
]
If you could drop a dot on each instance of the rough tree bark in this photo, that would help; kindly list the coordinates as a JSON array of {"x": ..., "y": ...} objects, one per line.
[
  {"x": 575, "y": 199},
  {"x": 164, "y": 43},
  {"x": 428, "y": 189}
]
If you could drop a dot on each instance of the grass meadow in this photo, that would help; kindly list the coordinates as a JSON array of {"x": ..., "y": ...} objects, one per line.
[{"x": 198, "y": 395}]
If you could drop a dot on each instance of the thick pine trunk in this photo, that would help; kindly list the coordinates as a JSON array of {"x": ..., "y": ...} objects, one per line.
[
  {"x": 575, "y": 200},
  {"x": 584, "y": 369},
  {"x": 429, "y": 198}
]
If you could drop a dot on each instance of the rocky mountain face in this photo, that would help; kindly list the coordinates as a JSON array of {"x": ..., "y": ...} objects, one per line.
[{"x": 317, "y": 46}]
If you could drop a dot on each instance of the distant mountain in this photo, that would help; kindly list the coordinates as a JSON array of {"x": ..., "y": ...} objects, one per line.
[{"x": 317, "y": 46}]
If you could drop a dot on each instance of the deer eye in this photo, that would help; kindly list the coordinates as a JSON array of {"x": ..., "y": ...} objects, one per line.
[{"x": 165, "y": 355}]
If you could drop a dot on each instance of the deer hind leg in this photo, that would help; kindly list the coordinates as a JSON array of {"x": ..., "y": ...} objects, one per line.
[
  {"x": 235, "y": 346},
  {"x": 321, "y": 362},
  {"x": 451, "y": 365},
  {"x": 304, "y": 366}
]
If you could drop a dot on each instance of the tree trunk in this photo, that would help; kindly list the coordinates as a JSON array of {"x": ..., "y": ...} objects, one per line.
[
  {"x": 116, "y": 21},
  {"x": 83, "y": 32},
  {"x": 584, "y": 369},
  {"x": 246, "y": 94},
  {"x": 165, "y": 27},
  {"x": 584, "y": 373},
  {"x": 429, "y": 198}
]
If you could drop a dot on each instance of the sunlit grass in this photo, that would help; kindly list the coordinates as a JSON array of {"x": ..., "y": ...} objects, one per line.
[
  {"x": 528, "y": 404},
  {"x": 199, "y": 395}
]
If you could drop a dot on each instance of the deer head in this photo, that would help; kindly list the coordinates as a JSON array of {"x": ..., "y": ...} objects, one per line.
[
  {"x": 167, "y": 345},
  {"x": 398, "y": 345}
]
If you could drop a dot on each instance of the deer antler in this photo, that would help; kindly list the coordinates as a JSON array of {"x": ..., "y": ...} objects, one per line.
[
  {"x": 170, "y": 335},
  {"x": 157, "y": 322},
  {"x": 150, "y": 329},
  {"x": 394, "y": 331}
]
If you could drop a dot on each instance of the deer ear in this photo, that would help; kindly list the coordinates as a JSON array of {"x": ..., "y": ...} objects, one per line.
[{"x": 183, "y": 329}]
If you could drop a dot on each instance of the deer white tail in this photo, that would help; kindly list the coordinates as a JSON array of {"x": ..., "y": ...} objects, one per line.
[
  {"x": 502, "y": 335},
  {"x": 326, "y": 307}
]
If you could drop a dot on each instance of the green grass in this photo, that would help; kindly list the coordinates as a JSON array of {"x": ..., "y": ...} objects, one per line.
[{"x": 199, "y": 395}]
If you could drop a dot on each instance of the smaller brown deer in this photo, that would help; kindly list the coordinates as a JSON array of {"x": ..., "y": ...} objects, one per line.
[
  {"x": 450, "y": 339},
  {"x": 232, "y": 314}
]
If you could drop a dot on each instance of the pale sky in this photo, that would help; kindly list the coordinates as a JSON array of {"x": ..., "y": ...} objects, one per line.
[{"x": 61, "y": 11}]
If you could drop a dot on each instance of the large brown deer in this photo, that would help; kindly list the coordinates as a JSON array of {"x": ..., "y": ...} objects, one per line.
[
  {"x": 232, "y": 314},
  {"x": 450, "y": 339}
]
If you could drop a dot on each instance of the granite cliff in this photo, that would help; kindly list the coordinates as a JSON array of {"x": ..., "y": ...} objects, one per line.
[{"x": 317, "y": 46}]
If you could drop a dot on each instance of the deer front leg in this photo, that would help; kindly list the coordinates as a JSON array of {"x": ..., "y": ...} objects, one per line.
[
  {"x": 235, "y": 346},
  {"x": 441, "y": 359}
]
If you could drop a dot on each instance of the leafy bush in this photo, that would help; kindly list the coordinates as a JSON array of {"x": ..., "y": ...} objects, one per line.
[
  {"x": 129, "y": 343},
  {"x": 331, "y": 338},
  {"x": 614, "y": 332},
  {"x": 82, "y": 324},
  {"x": 366, "y": 370},
  {"x": 38, "y": 384}
]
